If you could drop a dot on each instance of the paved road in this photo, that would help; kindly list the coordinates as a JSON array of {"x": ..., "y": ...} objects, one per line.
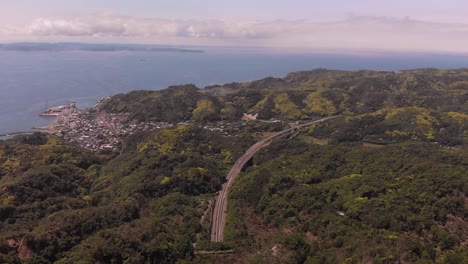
[
  {"x": 218, "y": 218},
  {"x": 103, "y": 119}
]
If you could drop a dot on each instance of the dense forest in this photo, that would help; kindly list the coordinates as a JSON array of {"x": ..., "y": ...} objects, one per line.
[
  {"x": 385, "y": 182},
  {"x": 302, "y": 95},
  {"x": 352, "y": 203},
  {"x": 67, "y": 205}
]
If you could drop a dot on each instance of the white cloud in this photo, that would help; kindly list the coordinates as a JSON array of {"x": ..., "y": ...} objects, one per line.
[
  {"x": 7, "y": 30},
  {"x": 355, "y": 32},
  {"x": 377, "y": 33},
  {"x": 111, "y": 26}
]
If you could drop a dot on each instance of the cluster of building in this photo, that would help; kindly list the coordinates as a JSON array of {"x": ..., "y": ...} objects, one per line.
[
  {"x": 223, "y": 127},
  {"x": 90, "y": 134},
  {"x": 84, "y": 128},
  {"x": 123, "y": 128},
  {"x": 96, "y": 130}
]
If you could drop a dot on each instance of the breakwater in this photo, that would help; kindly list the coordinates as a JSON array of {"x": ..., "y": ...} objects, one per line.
[{"x": 8, "y": 135}]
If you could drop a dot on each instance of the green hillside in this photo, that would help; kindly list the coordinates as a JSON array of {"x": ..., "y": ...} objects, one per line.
[
  {"x": 303, "y": 95},
  {"x": 65, "y": 204},
  {"x": 384, "y": 182},
  {"x": 352, "y": 204}
]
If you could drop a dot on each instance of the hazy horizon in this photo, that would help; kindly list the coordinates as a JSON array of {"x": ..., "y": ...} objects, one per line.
[
  {"x": 337, "y": 25},
  {"x": 234, "y": 49}
]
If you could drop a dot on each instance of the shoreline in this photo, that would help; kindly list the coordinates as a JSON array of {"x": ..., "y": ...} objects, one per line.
[
  {"x": 46, "y": 129},
  {"x": 50, "y": 129},
  {"x": 11, "y": 134},
  {"x": 59, "y": 117}
]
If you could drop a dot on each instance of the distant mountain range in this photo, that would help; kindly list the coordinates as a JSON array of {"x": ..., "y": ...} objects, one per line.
[{"x": 37, "y": 46}]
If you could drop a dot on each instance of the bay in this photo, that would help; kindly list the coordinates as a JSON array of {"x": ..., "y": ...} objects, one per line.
[{"x": 32, "y": 81}]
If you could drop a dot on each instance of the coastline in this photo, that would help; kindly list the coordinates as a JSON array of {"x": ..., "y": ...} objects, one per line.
[
  {"x": 82, "y": 78},
  {"x": 61, "y": 117},
  {"x": 52, "y": 128},
  {"x": 9, "y": 135}
]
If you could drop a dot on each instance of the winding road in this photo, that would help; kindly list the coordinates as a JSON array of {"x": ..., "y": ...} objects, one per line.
[{"x": 218, "y": 218}]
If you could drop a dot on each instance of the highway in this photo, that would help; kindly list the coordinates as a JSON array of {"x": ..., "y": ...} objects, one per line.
[{"x": 218, "y": 218}]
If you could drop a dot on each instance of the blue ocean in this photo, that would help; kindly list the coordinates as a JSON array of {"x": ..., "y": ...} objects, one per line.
[{"x": 32, "y": 81}]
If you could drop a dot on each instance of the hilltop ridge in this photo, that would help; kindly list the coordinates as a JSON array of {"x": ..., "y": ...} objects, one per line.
[{"x": 440, "y": 95}]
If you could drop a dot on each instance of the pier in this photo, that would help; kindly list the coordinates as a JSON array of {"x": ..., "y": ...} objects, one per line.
[{"x": 56, "y": 111}]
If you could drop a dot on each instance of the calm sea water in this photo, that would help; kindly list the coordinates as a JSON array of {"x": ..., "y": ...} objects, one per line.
[{"x": 31, "y": 81}]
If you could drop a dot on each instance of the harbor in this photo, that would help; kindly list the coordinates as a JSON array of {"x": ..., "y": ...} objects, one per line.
[
  {"x": 95, "y": 129},
  {"x": 56, "y": 111}
]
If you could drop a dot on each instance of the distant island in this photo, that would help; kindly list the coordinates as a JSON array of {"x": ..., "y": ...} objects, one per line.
[{"x": 38, "y": 46}]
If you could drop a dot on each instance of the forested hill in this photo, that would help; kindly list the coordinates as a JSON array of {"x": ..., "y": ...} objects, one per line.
[
  {"x": 385, "y": 182},
  {"x": 63, "y": 204},
  {"x": 426, "y": 104},
  {"x": 302, "y": 95}
]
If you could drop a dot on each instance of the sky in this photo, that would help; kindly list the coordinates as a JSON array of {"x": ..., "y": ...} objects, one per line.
[{"x": 305, "y": 25}]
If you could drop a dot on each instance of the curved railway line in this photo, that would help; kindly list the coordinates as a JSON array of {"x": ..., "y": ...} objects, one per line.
[{"x": 218, "y": 218}]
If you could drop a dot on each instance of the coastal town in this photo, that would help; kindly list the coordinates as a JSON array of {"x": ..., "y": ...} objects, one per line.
[
  {"x": 96, "y": 130},
  {"x": 92, "y": 129}
]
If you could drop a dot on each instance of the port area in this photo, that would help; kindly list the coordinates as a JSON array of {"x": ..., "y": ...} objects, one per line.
[
  {"x": 51, "y": 112},
  {"x": 97, "y": 130},
  {"x": 93, "y": 128},
  {"x": 84, "y": 127},
  {"x": 56, "y": 111}
]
